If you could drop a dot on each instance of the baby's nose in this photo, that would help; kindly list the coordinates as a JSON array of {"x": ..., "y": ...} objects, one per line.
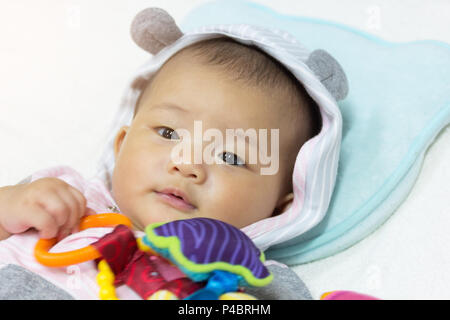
[{"x": 193, "y": 171}]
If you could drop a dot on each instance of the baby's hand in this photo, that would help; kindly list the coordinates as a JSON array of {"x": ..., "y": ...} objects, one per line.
[{"x": 49, "y": 205}]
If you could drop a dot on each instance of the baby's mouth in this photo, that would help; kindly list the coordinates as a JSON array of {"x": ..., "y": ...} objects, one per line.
[{"x": 176, "y": 199}]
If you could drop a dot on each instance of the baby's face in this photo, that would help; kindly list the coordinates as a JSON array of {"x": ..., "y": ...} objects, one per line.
[{"x": 185, "y": 91}]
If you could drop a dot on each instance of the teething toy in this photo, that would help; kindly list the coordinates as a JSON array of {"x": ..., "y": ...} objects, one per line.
[
  {"x": 43, "y": 256},
  {"x": 191, "y": 259}
]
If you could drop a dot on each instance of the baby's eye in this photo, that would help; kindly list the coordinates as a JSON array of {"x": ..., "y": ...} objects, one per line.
[
  {"x": 168, "y": 133},
  {"x": 232, "y": 159}
]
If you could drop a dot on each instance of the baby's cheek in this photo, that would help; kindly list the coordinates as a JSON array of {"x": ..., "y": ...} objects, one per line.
[
  {"x": 120, "y": 189},
  {"x": 238, "y": 207},
  {"x": 259, "y": 205}
]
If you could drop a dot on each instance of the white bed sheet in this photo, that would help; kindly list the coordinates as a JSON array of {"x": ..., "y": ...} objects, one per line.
[{"x": 64, "y": 64}]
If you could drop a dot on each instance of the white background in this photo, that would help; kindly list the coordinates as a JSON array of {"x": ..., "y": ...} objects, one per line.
[{"x": 64, "y": 64}]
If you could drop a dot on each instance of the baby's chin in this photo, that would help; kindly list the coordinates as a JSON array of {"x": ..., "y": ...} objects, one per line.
[
  {"x": 149, "y": 212},
  {"x": 158, "y": 218}
]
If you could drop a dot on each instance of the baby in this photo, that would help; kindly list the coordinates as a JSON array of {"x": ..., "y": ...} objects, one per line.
[
  {"x": 226, "y": 85},
  {"x": 222, "y": 84}
]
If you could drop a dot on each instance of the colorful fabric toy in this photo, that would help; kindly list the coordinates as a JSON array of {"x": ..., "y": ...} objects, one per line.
[
  {"x": 193, "y": 259},
  {"x": 144, "y": 273},
  {"x": 210, "y": 250}
]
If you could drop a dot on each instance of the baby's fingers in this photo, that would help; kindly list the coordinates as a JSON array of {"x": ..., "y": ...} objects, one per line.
[
  {"x": 44, "y": 222},
  {"x": 80, "y": 201},
  {"x": 76, "y": 202},
  {"x": 58, "y": 206}
]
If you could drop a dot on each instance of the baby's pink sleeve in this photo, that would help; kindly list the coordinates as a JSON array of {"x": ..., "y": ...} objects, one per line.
[{"x": 65, "y": 173}]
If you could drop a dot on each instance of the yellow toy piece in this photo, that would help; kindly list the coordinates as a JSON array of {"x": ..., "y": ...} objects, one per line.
[
  {"x": 105, "y": 279},
  {"x": 236, "y": 296},
  {"x": 163, "y": 295}
]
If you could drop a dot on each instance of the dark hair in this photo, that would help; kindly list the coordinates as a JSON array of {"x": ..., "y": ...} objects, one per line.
[{"x": 254, "y": 67}]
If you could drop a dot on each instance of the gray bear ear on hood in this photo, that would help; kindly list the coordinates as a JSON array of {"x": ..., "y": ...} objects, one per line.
[
  {"x": 153, "y": 29},
  {"x": 330, "y": 73}
]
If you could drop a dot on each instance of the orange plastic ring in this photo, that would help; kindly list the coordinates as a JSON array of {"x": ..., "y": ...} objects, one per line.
[{"x": 62, "y": 259}]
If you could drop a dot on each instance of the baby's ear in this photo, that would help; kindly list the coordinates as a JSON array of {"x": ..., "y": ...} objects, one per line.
[
  {"x": 118, "y": 140},
  {"x": 153, "y": 29},
  {"x": 283, "y": 204},
  {"x": 330, "y": 73}
]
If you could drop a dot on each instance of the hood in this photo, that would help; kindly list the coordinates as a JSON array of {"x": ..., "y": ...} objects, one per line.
[{"x": 321, "y": 75}]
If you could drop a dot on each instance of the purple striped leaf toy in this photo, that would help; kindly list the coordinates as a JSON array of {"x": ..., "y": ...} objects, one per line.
[{"x": 200, "y": 246}]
